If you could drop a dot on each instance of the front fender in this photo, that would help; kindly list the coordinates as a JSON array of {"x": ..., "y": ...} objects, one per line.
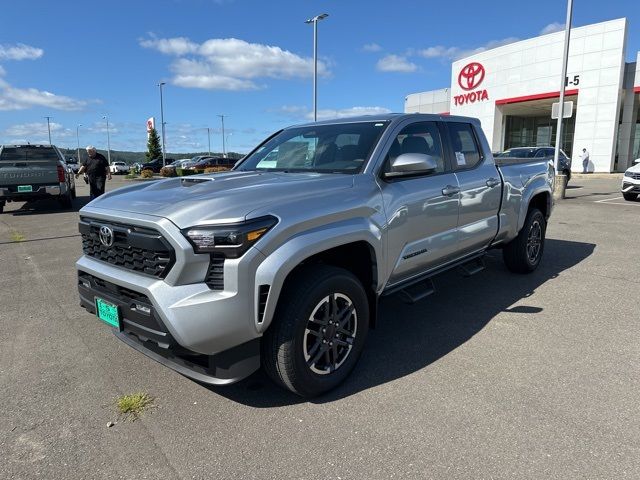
[{"x": 274, "y": 270}]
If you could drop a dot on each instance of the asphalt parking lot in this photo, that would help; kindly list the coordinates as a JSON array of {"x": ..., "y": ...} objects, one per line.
[{"x": 494, "y": 376}]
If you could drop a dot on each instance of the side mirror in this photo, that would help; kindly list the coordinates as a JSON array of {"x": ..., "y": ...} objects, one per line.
[
  {"x": 409, "y": 164},
  {"x": 636, "y": 161}
]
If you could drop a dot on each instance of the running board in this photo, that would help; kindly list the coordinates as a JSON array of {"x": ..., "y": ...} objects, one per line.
[
  {"x": 471, "y": 268},
  {"x": 417, "y": 291}
]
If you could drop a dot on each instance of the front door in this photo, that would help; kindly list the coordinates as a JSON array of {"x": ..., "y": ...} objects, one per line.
[{"x": 422, "y": 211}]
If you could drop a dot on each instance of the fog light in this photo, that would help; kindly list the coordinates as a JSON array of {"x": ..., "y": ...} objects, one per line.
[
  {"x": 85, "y": 283},
  {"x": 143, "y": 308}
]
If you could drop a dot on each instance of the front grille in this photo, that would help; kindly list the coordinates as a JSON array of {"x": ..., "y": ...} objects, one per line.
[
  {"x": 215, "y": 274},
  {"x": 134, "y": 248},
  {"x": 635, "y": 176}
]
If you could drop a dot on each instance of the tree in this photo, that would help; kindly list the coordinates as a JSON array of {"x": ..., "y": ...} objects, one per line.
[{"x": 154, "y": 150}]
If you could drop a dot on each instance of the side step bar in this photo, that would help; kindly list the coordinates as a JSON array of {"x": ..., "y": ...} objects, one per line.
[
  {"x": 471, "y": 268},
  {"x": 416, "y": 292}
]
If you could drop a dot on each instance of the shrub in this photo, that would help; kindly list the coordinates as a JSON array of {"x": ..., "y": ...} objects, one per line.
[
  {"x": 182, "y": 172},
  {"x": 168, "y": 172},
  {"x": 146, "y": 174},
  {"x": 216, "y": 169}
]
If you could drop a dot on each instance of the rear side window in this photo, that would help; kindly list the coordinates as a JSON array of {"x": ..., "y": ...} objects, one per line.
[
  {"x": 26, "y": 154},
  {"x": 465, "y": 147}
]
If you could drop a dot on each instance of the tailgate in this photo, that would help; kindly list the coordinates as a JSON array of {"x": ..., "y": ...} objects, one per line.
[{"x": 38, "y": 172}]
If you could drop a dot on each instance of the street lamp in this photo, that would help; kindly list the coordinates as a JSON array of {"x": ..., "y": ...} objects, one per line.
[
  {"x": 224, "y": 151},
  {"x": 49, "y": 128},
  {"x": 104, "y": 117},
  {"x": 315, "y": 21},
  {"x": 78, "y": 138},
  {"x": 162, "y": 121}
]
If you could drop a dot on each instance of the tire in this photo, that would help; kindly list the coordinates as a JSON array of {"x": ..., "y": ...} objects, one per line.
[
  {"x": 521, "y": 255},
  {"x": 2, "y": 207},
  {"x": 67, "y": 201},
  {"x": 293, "y": 341},
  {"x": 630, "y": 196},
  {"x": 73, "y": 193}
]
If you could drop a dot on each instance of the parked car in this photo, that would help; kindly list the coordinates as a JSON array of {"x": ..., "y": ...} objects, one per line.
[
  {"x": 631, "y": 182},
  {"x": 31, "y": 172},
  {"x": 564, "y": 162},
  {"x": 153, "y": 165},
  {"x": 208, "y": 162},
  {"x": 119, "y": 168},
  {"x": 284, "y": 265},
  {"x": 181, "y": 163},
  {"x": 73, "y": 164}
]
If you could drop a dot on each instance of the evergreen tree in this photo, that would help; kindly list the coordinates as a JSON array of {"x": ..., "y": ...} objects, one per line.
[{"x": 154, "y": 150}]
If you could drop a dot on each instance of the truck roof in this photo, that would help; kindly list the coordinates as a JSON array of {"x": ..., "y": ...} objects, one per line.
[{"x": 389, "y": 117}]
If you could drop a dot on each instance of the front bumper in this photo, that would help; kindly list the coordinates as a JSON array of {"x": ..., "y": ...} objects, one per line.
[
  {"x": 630, "y": 185},
  {"x": 189, "y": 327}
]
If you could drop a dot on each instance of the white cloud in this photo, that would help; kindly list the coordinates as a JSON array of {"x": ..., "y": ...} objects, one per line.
[
  {"x": 300, "y": 112},
  {"x": 395, "y": 63},
  {"x": 19, "y": 51},
  {"x": 35, "y": 132},
  {"x": 552, "y": 28},
  {"x": 371, "y": 47},
  {"x": 230, "y": 63},
  {"x": 456, "y": 53},
  {"x": 12, "y": 98}
]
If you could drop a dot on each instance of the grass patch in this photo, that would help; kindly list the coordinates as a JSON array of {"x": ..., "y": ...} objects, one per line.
[
  {"x": 134, "y": 405},
  {"x": 17, "y": 237}
]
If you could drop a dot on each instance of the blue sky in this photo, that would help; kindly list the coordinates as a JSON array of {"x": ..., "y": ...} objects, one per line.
[{"x": 250, "y": 60}]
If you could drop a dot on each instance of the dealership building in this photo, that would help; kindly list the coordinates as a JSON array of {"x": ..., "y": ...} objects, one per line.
[{"x": 511, "y": 90}]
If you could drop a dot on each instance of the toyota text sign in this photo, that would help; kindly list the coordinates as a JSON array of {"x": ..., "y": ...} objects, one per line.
[{"x": 469, "y": 79}]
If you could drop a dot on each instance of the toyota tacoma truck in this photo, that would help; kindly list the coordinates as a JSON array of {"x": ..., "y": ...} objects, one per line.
[
  {"x": 33, "y": 172},
  {"x": 281, "y": 261}
]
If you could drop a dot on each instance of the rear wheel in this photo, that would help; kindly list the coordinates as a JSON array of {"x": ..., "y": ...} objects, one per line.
[
  {"x": 67, "y": 201},
  {"x": 630, "y": 196},
  {"x": 523, "y": 254},
  {"x": 318, "y": 332},
  {"x": 2, "y": 203}
]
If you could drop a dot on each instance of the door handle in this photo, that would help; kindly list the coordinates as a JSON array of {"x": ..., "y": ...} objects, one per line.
[
  {"x": 450, "y": 191},
  {"x": 493, "y": 182}
]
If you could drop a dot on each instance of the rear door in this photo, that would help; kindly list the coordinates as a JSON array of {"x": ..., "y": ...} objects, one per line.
[
  {"x": 480, "y": 188},
  {"x": 422, "y": 211},
  {"x": 28, "y": 165}
]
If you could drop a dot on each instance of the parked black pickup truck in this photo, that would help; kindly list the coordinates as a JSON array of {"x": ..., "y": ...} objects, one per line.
[{"x": 31, "y": 172}]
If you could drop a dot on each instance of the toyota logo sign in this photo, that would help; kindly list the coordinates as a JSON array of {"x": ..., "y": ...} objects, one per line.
[
  {"x": 106, "y": 236},
  {"x": 471, "y": 76}
]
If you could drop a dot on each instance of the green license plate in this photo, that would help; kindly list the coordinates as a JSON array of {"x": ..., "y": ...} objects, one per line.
[
  {"x": 108, "y": 312},
  {"x": 25, "y": 188}
]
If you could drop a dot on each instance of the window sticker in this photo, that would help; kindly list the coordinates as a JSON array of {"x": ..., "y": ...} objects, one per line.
[{"x": 460, "y": 159}]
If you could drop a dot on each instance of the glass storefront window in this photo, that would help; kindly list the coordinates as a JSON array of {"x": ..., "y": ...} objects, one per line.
[{"x": 538, "y": 132}]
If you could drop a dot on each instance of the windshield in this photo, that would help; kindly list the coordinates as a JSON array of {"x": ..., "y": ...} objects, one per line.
[{"x": 337, "y": 148}]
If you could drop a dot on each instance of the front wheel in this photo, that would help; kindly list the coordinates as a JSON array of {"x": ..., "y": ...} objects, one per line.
[
  {"x": 630, "y": 196},
  {"x": 523, "y": 254},
  {"x": 318, "y": 332}
]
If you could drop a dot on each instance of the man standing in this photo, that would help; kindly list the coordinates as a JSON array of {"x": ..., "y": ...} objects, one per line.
[
  {"x": 97, "y": 169},
  {"x": 584, "y": 156}
]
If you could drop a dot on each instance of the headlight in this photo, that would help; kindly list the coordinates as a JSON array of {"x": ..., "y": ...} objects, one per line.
[
  {"x": 231, "y": 240},
  {"x": 628, "y": 174}
]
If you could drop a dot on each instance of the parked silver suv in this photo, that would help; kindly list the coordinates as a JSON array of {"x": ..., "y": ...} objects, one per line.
[{"x": 281, "y": 261}]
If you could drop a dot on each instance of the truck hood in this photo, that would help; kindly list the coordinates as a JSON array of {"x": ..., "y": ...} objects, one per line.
[{"x": 219, "y": 198}]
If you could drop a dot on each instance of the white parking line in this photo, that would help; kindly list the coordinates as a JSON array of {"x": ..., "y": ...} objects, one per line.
[{"x": 612, "y": 201}]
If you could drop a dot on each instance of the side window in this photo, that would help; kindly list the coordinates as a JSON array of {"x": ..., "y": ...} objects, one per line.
[
  {"x": 419, "y": 137},
  {"x": 465, "y": 148}
]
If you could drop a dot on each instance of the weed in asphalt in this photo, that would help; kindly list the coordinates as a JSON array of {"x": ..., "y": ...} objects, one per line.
[
  {"x": 132, "y": 406},
  {"x": 17, "y": 237}
]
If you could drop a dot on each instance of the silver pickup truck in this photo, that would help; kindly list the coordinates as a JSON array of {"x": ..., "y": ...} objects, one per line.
[
  {"x": 281, "y": 261},
  {"x": 32, "y": 172}
]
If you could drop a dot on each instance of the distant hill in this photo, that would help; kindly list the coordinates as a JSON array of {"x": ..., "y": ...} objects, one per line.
[{"x": 139, "y": 157}]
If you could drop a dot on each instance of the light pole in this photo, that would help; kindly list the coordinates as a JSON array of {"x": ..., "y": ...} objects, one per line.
[
  {"x": 315, "y": 21},
  {"x": 565, "y": 56},
  {"x": 162, "y": 121},
  {"x": 209, "y": 139},
  {"x": 49, "y": 128},
  {"x": 105, "y": 117},
  {"x": 224, "y": 150},
  {"x": 78, "y": 138}
]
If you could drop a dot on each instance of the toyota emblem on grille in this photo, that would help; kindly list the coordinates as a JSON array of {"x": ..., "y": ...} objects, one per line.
[{"x": 106, "y": 236}]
